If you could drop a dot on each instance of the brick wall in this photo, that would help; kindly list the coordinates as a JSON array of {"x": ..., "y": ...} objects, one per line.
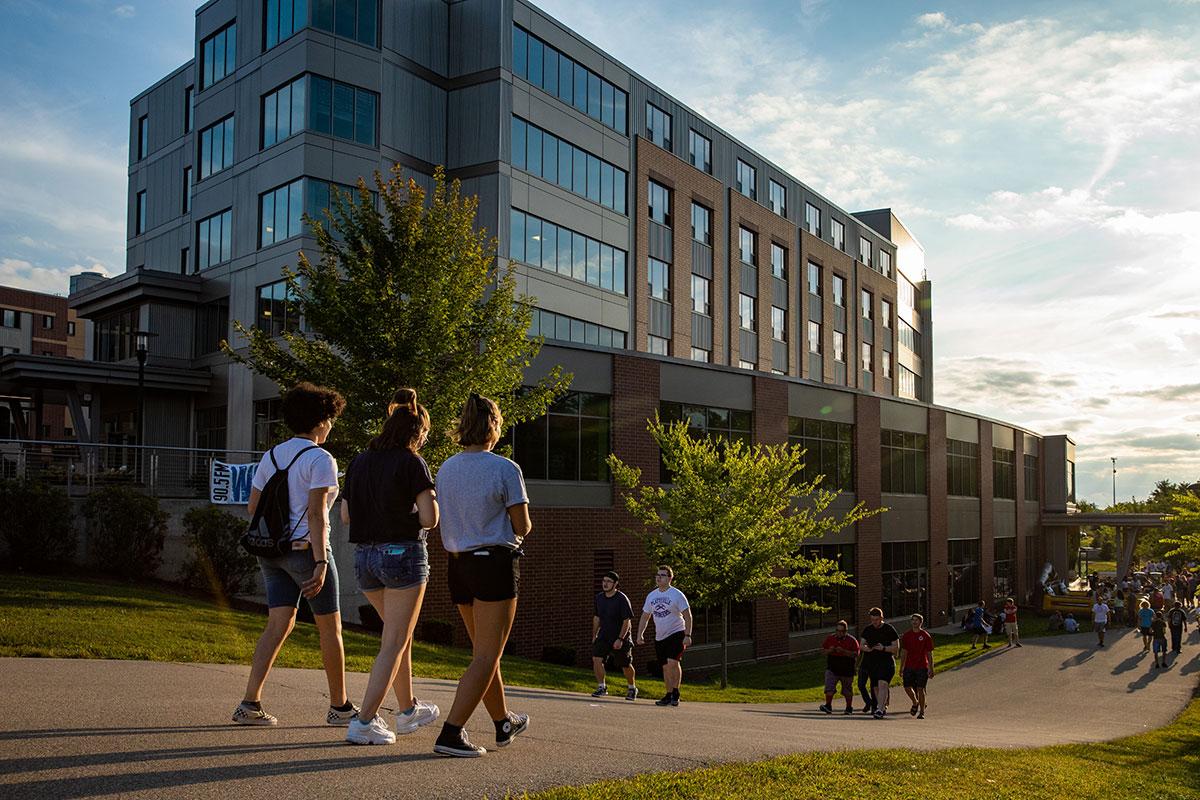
[
  {"x": 987, "y": 522},
  {"x": 867, "y": 486},
  {"x": 1020, "y": 583},
  {"x": 939, "y": 524},
  {"x": 768, "y": 227}
]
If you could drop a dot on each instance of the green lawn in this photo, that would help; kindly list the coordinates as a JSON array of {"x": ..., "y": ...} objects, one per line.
[
  {"x": 1160, "y": 765},
  {"x": 72, "y": 617}
]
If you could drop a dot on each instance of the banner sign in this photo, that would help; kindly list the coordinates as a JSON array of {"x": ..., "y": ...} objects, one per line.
[{"x": 229, "y": 484}]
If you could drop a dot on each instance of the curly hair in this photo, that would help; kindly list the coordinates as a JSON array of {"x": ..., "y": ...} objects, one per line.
[{"x": 306, "y": 405}]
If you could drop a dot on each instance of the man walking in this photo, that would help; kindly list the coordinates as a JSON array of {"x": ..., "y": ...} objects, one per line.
[
  {"x": 879, "y": 645},
  {"x": 1177, "y": 622},
  {"x": 672, "y": 630},
  {"x": 841, "y": 650},
  {"x": 916, "y": 647},
  {"x": 612, "y": 635},
  {"x": 1100, "y": 620}
]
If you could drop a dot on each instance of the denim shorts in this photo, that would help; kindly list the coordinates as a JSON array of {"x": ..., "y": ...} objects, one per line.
[
  {"x": 391, "y": 565},
  {"x": 284, "y": 574}
]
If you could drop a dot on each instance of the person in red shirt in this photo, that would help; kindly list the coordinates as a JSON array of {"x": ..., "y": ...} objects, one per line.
[
  {"x": 916, "y": 658},
  {"x": 1010, "y": 622},
  {"x": 841, "y": 651}
]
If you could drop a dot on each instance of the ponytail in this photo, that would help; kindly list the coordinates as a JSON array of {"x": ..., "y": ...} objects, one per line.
[
  {"x": 406, "y": 426},
  {"x": 480, "y": 422}
]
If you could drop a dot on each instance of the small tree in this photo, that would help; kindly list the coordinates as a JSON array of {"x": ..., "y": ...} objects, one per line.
[
  {"x": 734, "y": 522},
  {"x": 126, "y": 531},
  {"x": 410, "y": 296},
  {"x": 1183, "y": 532},
  {"x": 36, "y": 527},
  {"x": 215, "y": 559}
]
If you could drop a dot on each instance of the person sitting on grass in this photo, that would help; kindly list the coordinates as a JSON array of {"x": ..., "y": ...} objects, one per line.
[
  {"x": 1070, "y": 625},
  {"x": 1055, "y": 623}
]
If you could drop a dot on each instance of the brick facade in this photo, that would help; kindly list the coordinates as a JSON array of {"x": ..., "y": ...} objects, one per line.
[
  {"x": 868, "y": 490},
  {"x": 768, "y": 228},
  {"x": 939, "y": 522},
  {"x": 987, "y": 528}
]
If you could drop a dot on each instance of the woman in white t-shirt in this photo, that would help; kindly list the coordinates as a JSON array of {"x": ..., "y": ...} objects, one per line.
[{"x": 308, "y": 569}]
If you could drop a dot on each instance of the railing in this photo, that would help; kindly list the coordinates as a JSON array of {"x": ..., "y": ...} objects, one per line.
[{"x": 80, "y": 468}]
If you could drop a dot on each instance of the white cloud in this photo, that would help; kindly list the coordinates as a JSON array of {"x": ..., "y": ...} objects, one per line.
[
  {"x": 934, "y": 19},
  {"x": 125, "y": 11},
  {"x": 24, "y": 275}
]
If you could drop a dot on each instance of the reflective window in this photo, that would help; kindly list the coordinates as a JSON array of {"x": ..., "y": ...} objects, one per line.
[
  {"x": 962, "y": 468},
  {"x": 814, "y": 279},
  {"x": 143, "y": 137},
  {"x": 778, "y": 261},
  {"x": 187, "y": 190},
  {"x": 218, "y": 55},
  {"x": 657, "y": 345},
  {"x": 588, "y": 176},
  {"x": 659, "y": 198},
  {"x": 963, "y": 562},
  {"x": 216, "y": 147},
  {"x": 572, "y": 83},
  {"x": 660, "y": 280},
  {"x": 885, "y": 314},
  {"x": 839, "y": 235},
  {"x": 864, "y": 250},
  {"x": 885, "y": 263},
  {"x": 187, "y": 109},
  {"x": 829, "y": 452},
  {"x": 350, "y": 19},
  {"x": 658, "y": 126},
  {"x": 1004, "y": 474},
  {"x": 839, "y": 601},
  {"x": 839, "y": 346},
  {"x": 909, "y": 336},
  {"x": 814, "y": 338},
  {"x": 701, "y": 289},
  {"x": 778, "y": 324},
  {"x": 868, "y": 302},
  {"x": 868, "y": 357},
  {"x": 701, "y": 355},
  {"x": 283, "y": 111},
  {"x": 839, "y": 291},
  {"x": 280, "y": 213},
  {"x": 139, "y": 220},
  {"x": 909, "y": 385},
  {"x": 747, "y": 245},
  {"x": 902, "y": 459},
  {"x": 573, "y": 255},
  {"x": 746, "y": 315},
  {"x": 812, "y": 219},
  {"x": 747, "y": 180},
  {"x": 571, "y": 442},
  {"x": 275, "y": 313},
  {"x": 700, "y": 151},
  {"x": 701, "y": 224},
  {"x": 214, "y": 239},
  {"x": 562, "y": 328},
  {"x": 777, "y": 197},
  {"x": 905, "y": 578}
]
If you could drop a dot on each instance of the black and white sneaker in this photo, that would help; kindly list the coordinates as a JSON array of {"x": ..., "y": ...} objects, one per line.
[
  {"x": 508, "y": 729},
  {"x": 341, "y": 717},
  {"x": 825, "y": 707},
  {"x": 601, "y": 691},
  {"x": 457, "y": 744},
  {"x": 879, "y": 713},
  {"x": 631, "y": 693},
  {"x": 246, "y": 714}
]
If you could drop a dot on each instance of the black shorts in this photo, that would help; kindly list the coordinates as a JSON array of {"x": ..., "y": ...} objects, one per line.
[
  {"x": 489, "y": 574},
  {"x": 613, "y": 659},
  {"x": 883, "y": 669},
  {"x": 670, "y": 648},
  {"x": 915, "y": 678}
]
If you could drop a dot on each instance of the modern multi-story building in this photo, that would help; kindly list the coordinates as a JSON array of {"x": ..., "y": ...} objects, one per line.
[{"x": 674, "y": 268}]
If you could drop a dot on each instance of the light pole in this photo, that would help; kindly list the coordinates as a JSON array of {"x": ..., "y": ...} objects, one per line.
[
  {"x": 1114, "y": 463},
  {"x": 142, "y": 348}
]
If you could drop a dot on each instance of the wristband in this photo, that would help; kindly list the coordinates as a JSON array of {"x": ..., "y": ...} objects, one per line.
[{"x": 322, "y": 561}]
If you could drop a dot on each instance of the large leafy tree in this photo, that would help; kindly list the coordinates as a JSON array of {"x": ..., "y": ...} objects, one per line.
[
  {"x": 409, "y": 294},
  {"x": 1183, "y": 532},
  {"x": 734, "y": 521}
]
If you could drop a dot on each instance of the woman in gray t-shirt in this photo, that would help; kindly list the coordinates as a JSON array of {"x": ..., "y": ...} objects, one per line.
[{"x": 485, "y": 515}]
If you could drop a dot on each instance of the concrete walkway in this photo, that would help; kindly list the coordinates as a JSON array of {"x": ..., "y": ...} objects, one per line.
[{"x": 76, "y": 729}]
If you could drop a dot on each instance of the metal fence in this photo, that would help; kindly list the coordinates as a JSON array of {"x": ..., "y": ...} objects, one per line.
[{"x": 181, "y": 472}]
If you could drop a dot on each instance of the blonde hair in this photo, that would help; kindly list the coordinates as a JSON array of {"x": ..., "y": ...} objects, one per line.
[{"x": 479, "y": 423}]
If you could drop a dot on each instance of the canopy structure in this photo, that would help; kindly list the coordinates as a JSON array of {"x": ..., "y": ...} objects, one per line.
[{"x": 1127, "y": 525}]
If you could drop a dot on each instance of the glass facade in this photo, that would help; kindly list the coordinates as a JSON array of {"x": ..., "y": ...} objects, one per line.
[
  {"x": 571, "y": 442},
  {"x": 839, "y": 601},
  {"x": 112, "y": 335},
  {"x": 216, "y": 147},
  {"x": 572, "y": 83},
  {"x": 1004, "y": 567},
  {"x": 1004, "y": 475},
  {"x": 962, "y": 468},
  {"x": 1031, "y": 478},
  {"x": 218, "y": 55},
  {"x": 350, "y": 19},
  {"x": 214, "y": 239},
  {"x": 551, "y": 247},
  {"x": 902, "y": 462},
  {"x": 963, "y": 562},
  {"x": 559, "y": 327},
  {"x": 700, "y": 151},
  {"x": 830, "y": 451},
  {"x": 275, "y": 313},
  {"x": 905, "y": 579},
  {"x": 574, "y": 169}
]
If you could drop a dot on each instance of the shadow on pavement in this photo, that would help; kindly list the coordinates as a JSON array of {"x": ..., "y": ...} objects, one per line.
[
  {"x": 50, "y": 733},
  {"x": 1079, "y": 658},
  {"x": 68, "y": 761},
  {"x": 1130, "y": 663}
]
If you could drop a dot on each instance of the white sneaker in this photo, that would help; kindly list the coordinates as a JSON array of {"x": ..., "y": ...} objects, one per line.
[
  {"x": 373, "y": 732},
  {"x": 421, "y": 715},
  {"x": 341, "y": 718},
  {"x": 249, "y": 715}
]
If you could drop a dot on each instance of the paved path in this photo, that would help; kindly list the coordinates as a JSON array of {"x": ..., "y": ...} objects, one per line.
[{"x": 76, "y": 729}]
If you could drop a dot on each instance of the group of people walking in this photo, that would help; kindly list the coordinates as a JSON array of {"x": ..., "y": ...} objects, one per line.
[
  {"x": 872, "y": 657},
  {"x": 390, "y": 503}
]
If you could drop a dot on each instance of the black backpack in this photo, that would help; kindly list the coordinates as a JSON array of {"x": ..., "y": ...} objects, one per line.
[{"x": 269, "y": 534}]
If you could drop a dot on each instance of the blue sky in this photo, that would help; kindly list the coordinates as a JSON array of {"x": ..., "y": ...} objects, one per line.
[{"x": 1047, "y": 155}]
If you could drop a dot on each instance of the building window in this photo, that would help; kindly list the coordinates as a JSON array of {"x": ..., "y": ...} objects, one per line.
[
  {"x": 546, "y": 156},
  {"x": 71, "y": 328},
  {"x": 909, "y": 337},
  {"x": 210, "y": 428},
  {"x": 812, "y": 219},
  {"x": 747, "y": 180},
  {"x": 113, "y": 336},
  {"x": 814, "y": 338},
  {"x": 701, "y": 302},
  {"x": 139, "y": 220},
  {"x": 830, "y": 451},
  {"x": 187, "y": 190},
  {"x": 707, "y": 624},
  {"x": 700, "y": 151},
  {"x": 864, "y": 250},
  {"x": 778, "y": 261},
  {"x": 839, "y": 346},
  {"x": 885, "y": 365},
  {"x": 902, "y": 460},
  {"x": 721, "y": 424},
  {"x": 868, "y": 302},
  {"x": 962, "y": 468},
  {"x": 212, "y": 326},
  {"x": 840, "y": 600},
  {"x": 814, "y": 279},
  {"x": 1031, "y": 478},
  {"x": 746, "y": 316},
  {"x": 907, "y": 292},
  {"x": 280, "y": 213},
  {"x": 659, "y": 198},
  {"x": 909, "y": 385},
  {"x": 778, "y": 324},
  {"x": 1004, "y": 556},
  {"x": 701, "y": 224},
  {"x": 839, "y": 291},
  {"x": 658, "y": 126},
  {"x": 701, "y": 355},
  {"x": 218, "y": 55},
  {"x": 839, "y": 235},
  {"x": 143, "y": 137},
  {"x": 777, "y": 197},
  {"x": 551, "y": 247},
  {"x": 283, "y": 111},
  {"x": 183, "y": 260},
  {"x": 660, "y": 280},
  {"x": 47, "y": 322},
  {"x": 1004, "y": 474},
  {"x": 574, "y": 84},
  {"x": 187, "y": 108},
  {"x": 276, "y": 313},
  {"x": 905, "y": 578},
  {"x": 214, "y": 239},
  {"x": 341, "y": 110},
  {"x": 885, "y": 262},
  {"x": 963, "y": 562},
  {"x": 571, "y": 442},
  {"x": 885, "y": 314},
  {"x": 216, "y": 147},
  {"x": 284, "y": 18},
  {"x": 268, "y": 421},
  {"x": 656, "y": 345},
  {"x": 559, "y": 327},
  {"x": 747, "y": 246},
  {"x": 868, "y": 357}
]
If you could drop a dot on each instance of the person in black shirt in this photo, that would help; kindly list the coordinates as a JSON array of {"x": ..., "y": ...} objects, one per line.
[
  {"x": 389, "y": 504},
  {"x": 612, "y": 635},
  {"x": 879, "y": 646}
]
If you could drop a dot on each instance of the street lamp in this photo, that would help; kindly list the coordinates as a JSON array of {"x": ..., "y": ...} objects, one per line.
[
  {"x": 142, "y": 348},
  {"x": 1114, "y": 463}
]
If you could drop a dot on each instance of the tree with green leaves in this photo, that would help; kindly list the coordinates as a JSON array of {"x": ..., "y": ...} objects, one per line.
[
  {"x": 1183, "y": 531},
  {"x": 734, "y": 521},
  {"x": 410, "y": 295}
]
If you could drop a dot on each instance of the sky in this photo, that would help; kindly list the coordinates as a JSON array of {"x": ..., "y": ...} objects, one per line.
[{"x": 1046, "y": 155}]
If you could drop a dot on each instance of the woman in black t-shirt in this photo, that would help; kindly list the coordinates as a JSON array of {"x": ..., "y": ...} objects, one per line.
[{"x": 389, "y": 504}]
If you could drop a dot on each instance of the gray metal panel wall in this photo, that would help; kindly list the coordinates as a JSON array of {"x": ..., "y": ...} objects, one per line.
[
  {"x": 907, "y": 518},
  {"x": 480, "y": 36},
  {"x": 779, "y": 295},
  {"x": 706, "y": 386},
  {"x": 748, "y": 285},
  {"x": 702, "y": 330},
  {"x": 748, "y": 344},
  {"x": 660, "y": 242},
  {"x": 175, "y": 326},
  {"x": 660, "y": 318},
  {"x": 702, "y": 259},
  {"x": 416, "y": 115},
  {"x": 476, "y": 115},
  {"x": 418, "y": 30}
]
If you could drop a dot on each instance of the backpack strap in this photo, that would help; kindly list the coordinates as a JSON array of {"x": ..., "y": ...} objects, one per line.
[{"x": 295, "y": 457}]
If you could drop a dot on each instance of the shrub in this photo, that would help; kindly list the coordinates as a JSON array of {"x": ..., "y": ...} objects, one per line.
[
  {"x": 36, "y": 526},
  {"x": 215, "y": 560},
  {"x": 559, "y": 654},
  {"x": 436, "y": 631},
  {"x": 126, "y": 530}
]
